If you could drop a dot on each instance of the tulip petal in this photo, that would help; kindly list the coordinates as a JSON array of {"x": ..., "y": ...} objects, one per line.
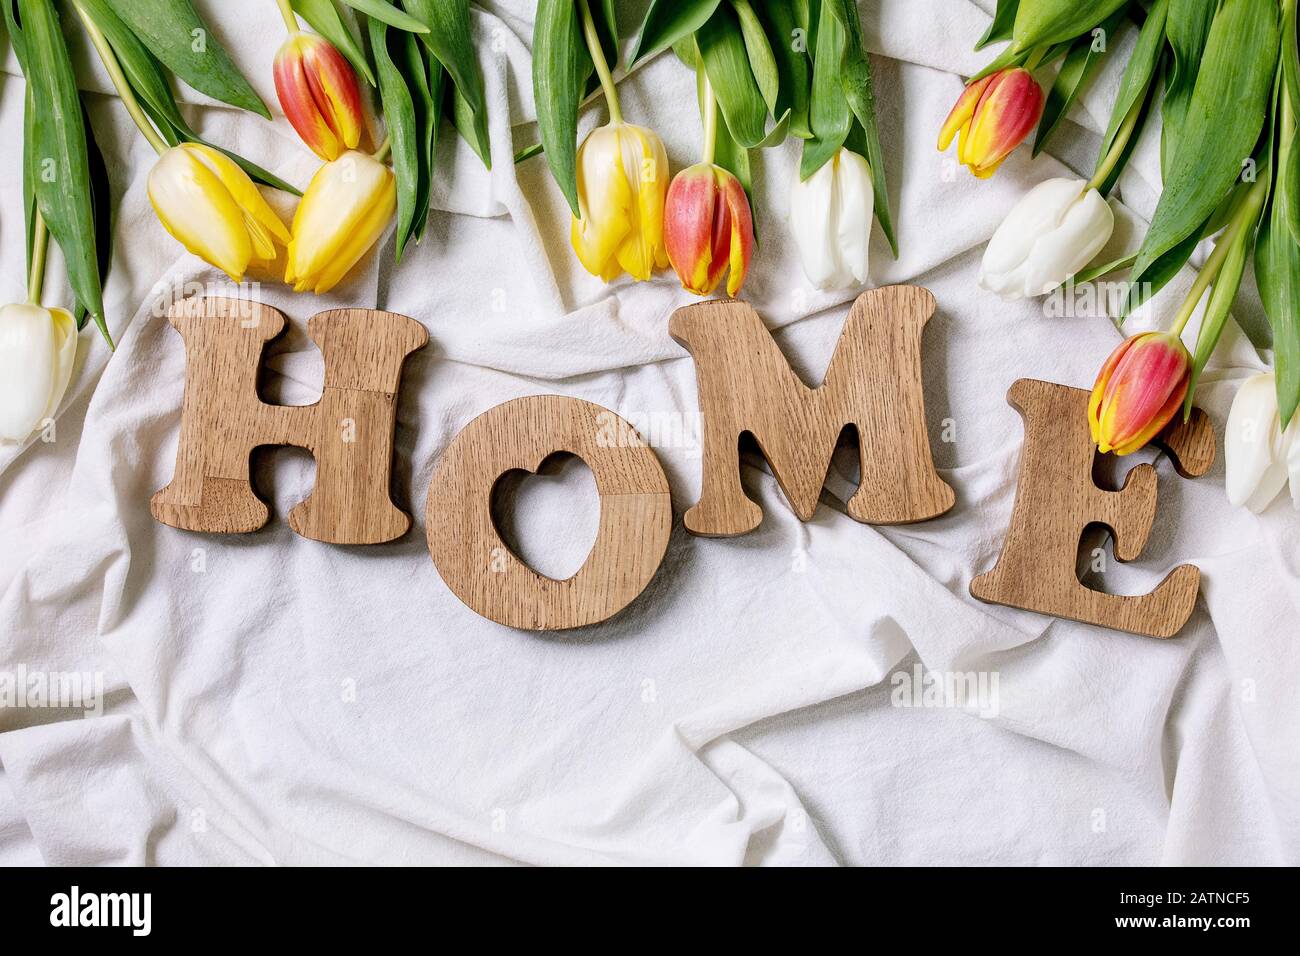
[
  {"x": 645, "y": 164},
  {"x": 740, "y": 229},
  {"x": 299, "y": 103},
  {"x": 1254, "y": 470},
  {"x": 1084, "y": 227},
  {"x": 689, "y": 213},
  {"x": 605, "y": 200},
  {"x": 199, "y": 211},
  {"x": 1293, "y": 460},
  {"x": 959, "y": 116},
  {"x": 854, "y": 206},
  {"x": 1007, "y": 112},
  {"x": 65, "y": 355},
  {"x": 345, "y": 209},
  {"x": 815, "y": 234},
  {"x": 28, "y": 369},
  {"x": 257, "y": 211},
  {"x": 334, "y": 89},
  {"x": 1050, "y": 233}
]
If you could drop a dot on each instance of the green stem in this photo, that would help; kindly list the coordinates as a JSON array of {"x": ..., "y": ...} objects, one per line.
[
  {"x": 1035, "y": 59},
  {"x": 40, "y": 243},
  {"x": 120, "y": 81},
  {"x": 1252, "y": 203},
  {"x": 598, "y": 58},
  {"x": 381, "y": 153},
  {"x": 708, "y": 103},
  {"x": 286, "y": 11},
  {"x": 1122, "y": 135}
]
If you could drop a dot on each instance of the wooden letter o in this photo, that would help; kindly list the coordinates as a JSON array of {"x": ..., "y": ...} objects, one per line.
[{"x": 635, "y": 513}]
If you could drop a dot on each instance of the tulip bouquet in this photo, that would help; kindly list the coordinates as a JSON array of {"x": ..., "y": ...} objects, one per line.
[
  {"x": 65, "y": 183},
  {"x": 421, "y": 58},
  {"x": 765, "y": 69},
  {"x": 1225, "y": 78}
]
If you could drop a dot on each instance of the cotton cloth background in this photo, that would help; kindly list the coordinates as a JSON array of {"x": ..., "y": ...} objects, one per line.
[{"x": 274, "y": 700}]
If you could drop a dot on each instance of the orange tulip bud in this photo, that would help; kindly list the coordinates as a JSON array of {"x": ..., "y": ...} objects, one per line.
[
  {"x": 319, "y": 95},
  {"x": 1138, "y": 391},
  {"x": 708, "y": 226},
  {"x": 993, "y": 115}
]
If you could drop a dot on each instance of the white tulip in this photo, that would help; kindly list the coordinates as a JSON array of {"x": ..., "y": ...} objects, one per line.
[
  {"x": 830, "y": 217},
  {"x": 1052, "y": 233},
  {"x": 37, "y": 348},
  {"x": 1260, "y": 457}
]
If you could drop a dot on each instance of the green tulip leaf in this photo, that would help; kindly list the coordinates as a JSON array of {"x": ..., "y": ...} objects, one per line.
[
  {"x": 175, "y": 34},
  {"x": 386, "y": 13},
  {"x": 788, "y": 39},
  {"x": 101, "y": 206},
  {"x": 452, "y": 43},
  {"x": 1040, "y": 22},
  {"x": 561, "y": 64},
  {"x": 1277, "y": 260},
  {"x": 61, "y": 153},
  {"x": 1290, "y": 169},
  {"x": 666, "y": 22},
  {"x": 762, "y": 61},
  {"x": 1137, "y": 79},
  {"x": 400, "y": 118},
  {"x": 323, "y": 17},
  {"x": 1157, "y": 275},
  {"x": 471, "y": 124},
  {"x": 1187, "y": 27},
  {"x": 1085, "y": 55},
  {"x": 1222, "y": 294},
  {"x": 726, "y": 62},
  {"x": 1224, "y": 119},
  {"x": 1004, "y": 18},
  {"x": 828, "y": 108}
]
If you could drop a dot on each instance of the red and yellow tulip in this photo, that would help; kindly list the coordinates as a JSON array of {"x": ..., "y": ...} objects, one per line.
[
  {"x": 993, "y": 115},
  {"x": 1138, "y": 391},
  {"x": 319, "y": 94},
  {"x": 708, "y": 227}
]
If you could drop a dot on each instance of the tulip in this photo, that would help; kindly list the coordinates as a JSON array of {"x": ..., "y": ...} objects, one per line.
[
  {"x": 1260, "y": 456},
  {"x": 708, "y": 226},
  {"x": 37, "y": 348},
  {"x": 211, "y": 206},
  {"x": 830, "y": 217},
  {"x": 622, "y": 182},
  {"x": 346, "y": 208},
  {"x": 993, "y": 115},
  {"x": 1138, "y": 390},
  {"x": 319, "y": 94},
  {"x": 1049, "y": 235}
]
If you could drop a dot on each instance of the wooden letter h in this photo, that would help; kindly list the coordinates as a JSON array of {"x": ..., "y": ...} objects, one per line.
[{"x": 349, "y": 431}]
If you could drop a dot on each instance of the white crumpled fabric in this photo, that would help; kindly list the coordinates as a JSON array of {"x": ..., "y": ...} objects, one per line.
[{"x": 269, "y": 699}]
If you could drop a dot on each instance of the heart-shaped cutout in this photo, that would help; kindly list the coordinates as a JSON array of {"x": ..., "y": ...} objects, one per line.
[{"x": 549, "y": 519}]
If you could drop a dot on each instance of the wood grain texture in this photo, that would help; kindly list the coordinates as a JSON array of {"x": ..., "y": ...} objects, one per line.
[
  {"x": 873, "y": 382},
  {"x": 1057, "y": 498},
  {"x": 349, "y": 431},
  {"x": 635, "y": 513}
]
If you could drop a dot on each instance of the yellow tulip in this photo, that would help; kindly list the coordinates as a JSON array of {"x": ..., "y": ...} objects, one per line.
[
  {"x": 622, "y": 182},
  {"x": 343, "y": 213},
  {"x": 211, "y": 206}
]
